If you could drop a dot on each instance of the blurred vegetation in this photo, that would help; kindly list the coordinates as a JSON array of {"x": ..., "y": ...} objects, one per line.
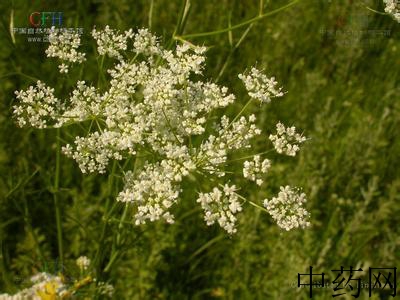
[{"x": 343, "y": 92}]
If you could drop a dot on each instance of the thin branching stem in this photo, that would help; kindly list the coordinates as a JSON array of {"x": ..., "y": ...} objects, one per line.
[
  {"x": 255, "y": 19},
  {"x": 56, "y": 198},
  {"x": 151, "y": 13},
  {"x": 376, "y": 11},
  {"x": 240, "y": 113}
]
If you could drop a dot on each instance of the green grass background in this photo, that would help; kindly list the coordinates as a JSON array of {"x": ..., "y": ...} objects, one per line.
[{"x": 343, "y": 92}]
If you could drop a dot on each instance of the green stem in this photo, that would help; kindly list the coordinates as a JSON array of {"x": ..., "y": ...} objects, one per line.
[
  {"x": 241, "y": 39},
  {"x": 249, "y": 156},
  {"x": 182, "y": 18},
  {"x": 28, "y": 222},
  {"x": 115, "y": 251},
  {"x": 232, "y": 51},
  {"x": 170, "y": 126},
  {"x": 375, "y": 11},
  {"x": 255, "y": 19},
  {"x": 21, "y": 183},
  {"x": 240, "y": 113},
  {"x": 251, "y": 202},
  {"x": 258, "y": 206},
  {"x": 106, "y": 217},
  {"x": 56, "y": 199},
  {"x": 117, "y": 242},
  {"x": 111, "y": 262},
  {"x": 100, "y": 75},
  {"x": 21, "y": 74},
  {"x": 8, "y": 281},
  {"x": 180, "y": 24},
  {"x": 151, "y": 13},
  {"x": 120, "y": 225}
]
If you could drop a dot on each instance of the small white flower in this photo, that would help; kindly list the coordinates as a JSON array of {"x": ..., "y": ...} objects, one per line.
[
  {"x": 287, "y": 209},
  {"x": 253, "y": 170},
  {"x": 146, "y": 43},
  {"x": 286, "y": 140},
  {"x": 105, "y": 288},
  {"x": 63, "y": 68},
  {"x": 64, "y": 45},
  {"x": 393, "y": 8},
  {"x": 260, "y": 87},
  {"x": 231, "y": 136},
  {"x": 37, "y": 106},
  {"x": 155, "y": 189},
  {"x": 110, "y": 42},
  {"x": 83, "y": 263},
  {"x": 221, "y": 206}
]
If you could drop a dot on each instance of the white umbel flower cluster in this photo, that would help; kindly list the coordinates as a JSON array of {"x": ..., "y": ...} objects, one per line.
[
  {"x": 37, "y": 106},
  {"x": 83, "y": 262},
  {"x": 253, "y": 170},
  {"x": 286, "y": 140},
  {"x": 93, "y": 152},
  {"x": 146, "y": 43},
  {"x": 221, "y": 206},
  {"x": 260, "y": 87},
  {"x": 156, "y": 112},
  {"x": 393, "y": 8},
  {"x": 105, "y": 289},
  {"x": 156, "y": 188},
  {"x": 64, "y": 45},
  {"x": 110, "y": 42},
  {"x": 44, "y": 284},
  {"x": 84, "y": 103},
  {"x": 287, "y": 209},
  {"x": 231, "y": 136}
]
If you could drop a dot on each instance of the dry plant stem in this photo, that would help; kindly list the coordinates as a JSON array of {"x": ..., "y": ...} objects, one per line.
[{"x": 12, "y": 26}]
